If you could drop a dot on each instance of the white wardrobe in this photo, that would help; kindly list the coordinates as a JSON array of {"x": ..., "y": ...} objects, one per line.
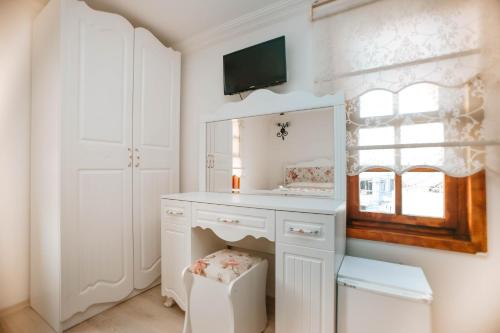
[{"x": 105, "y": 146}]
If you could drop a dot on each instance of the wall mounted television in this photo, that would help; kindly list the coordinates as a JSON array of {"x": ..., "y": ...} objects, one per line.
[{"x": 255, "y": 67}]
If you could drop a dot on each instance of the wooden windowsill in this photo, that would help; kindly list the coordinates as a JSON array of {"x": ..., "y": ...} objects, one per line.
[{"x": 424, "y": 239}]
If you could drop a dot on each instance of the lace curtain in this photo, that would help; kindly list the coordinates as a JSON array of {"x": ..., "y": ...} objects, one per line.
[{"x": 420, "y": 77}]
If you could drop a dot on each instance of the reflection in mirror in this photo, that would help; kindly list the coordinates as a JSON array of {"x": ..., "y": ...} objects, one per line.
[{"x": 282, "y": 154}]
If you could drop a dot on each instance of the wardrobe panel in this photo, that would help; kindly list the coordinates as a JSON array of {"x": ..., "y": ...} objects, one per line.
[
  {"x": 156, "y": 147},
  {"x": 97, "y": 240},
  {"x": 153, "y": 184},
  {"x": 102, "y": 100},
  {"x": 101, "y": 229},
  {"x": 156, "y": 96}
]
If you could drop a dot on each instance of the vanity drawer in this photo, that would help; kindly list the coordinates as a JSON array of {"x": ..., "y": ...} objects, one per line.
[
  {"x": 309, "y": 230},
  {"x": 234, "y": 223},
  {"x": 177, "y": 212}
]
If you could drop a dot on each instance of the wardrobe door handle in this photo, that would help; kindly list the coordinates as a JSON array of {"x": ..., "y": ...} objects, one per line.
[{"x": 138, "y": 158}]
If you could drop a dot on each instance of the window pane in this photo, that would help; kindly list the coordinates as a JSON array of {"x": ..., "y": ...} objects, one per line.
[
  {"x": 376, "y": 103},
  {"x": 376, "y": 192},
  {"x": 422, "y": 97},
  {"x": 376, "y": 136},
  {"x": 422, "y": 133},
  {"x": 423, "y": 194}
]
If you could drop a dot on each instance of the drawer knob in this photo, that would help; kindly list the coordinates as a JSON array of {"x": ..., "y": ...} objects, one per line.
[
  {"x": 172, "y": 212},
  {"x": 303, "y": 231},
  {"x": 226, "y": 220}
]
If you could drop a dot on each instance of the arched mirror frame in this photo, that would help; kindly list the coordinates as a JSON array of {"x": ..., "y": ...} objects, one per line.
[{"x": 265, "y": 102}]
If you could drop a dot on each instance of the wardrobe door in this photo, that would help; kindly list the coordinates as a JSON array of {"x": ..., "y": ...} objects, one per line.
[
  {"x": 220, "y": 166},
  {"x": 97, "y": 243},
  {"x": 156, "y": 147}
]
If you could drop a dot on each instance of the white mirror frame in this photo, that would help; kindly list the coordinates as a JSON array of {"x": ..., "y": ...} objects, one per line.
[{"x": 265, "y": 102}]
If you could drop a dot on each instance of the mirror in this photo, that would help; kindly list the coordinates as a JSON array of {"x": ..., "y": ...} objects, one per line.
[{"x": 282, "y": 154}]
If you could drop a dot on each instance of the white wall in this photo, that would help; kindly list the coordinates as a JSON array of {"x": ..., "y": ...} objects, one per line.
[
  {"x": 202, "y": 82},
  {"x": 466, "y": 287},
  {"x": 264, "y": 156},
  {"x": 310, "y": 136},
  {"x": 254, "y": 137},
  {"x": 15, "y": 104}
]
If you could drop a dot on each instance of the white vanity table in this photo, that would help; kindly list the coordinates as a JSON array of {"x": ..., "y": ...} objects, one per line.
[{"x": 305, "y": 234}]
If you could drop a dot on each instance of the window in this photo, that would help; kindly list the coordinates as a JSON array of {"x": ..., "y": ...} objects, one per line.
[
  {"x": 418, "y": 98},
  {"x": 422, "y": 194},
  {"x": 377, "y": 136},
  {"x": 376, "y": 192},
  {"x": 376, "y": 103},
  {"x": 422, "y": 207},
  {"x": 401, "y": 192}
]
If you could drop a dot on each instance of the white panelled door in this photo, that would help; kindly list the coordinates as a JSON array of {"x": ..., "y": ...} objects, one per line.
[
  {"x": 176, "y": 251},
  {"x": 156, "y": 147},
  {"x": 220, "y": 159},
  {"x": 305, "y": 290},
  {"x": 97, "y": 243}
]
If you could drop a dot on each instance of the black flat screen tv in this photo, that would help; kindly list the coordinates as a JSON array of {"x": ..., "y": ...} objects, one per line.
[{"x": 255, "y": 67}]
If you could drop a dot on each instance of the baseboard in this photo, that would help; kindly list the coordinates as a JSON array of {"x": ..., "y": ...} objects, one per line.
[{"x": 14, "y": 308}]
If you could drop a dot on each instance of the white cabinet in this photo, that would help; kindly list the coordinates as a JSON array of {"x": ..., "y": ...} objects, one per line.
[
  {"x": 176, "y": 249},
  {"x": 234, "y": 223},
  {"x": 308, "y": 230},
  {"x": 96, "y": 181},
  {"x": 309, "y": 244},
  {"x": 305, "y": 290},
  {"x": 156, "y": 147},
  {"x": 100, "y": 159},
  {"x": 306, "y": 271}
]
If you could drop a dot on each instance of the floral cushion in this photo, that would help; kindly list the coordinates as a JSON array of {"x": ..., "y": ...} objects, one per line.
[
  {"x": 224, "y": 265},
  {"x": 309, "y": 175}
]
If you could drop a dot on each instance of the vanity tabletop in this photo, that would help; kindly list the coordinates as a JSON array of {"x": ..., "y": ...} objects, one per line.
[{"x": 276, "y": 202}]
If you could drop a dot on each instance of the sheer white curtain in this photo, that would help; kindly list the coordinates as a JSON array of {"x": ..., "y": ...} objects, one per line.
[{"x": 416, "y": 73}]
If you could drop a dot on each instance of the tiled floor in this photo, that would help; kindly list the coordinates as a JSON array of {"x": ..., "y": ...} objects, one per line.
[{"x": 142, "y": 314}]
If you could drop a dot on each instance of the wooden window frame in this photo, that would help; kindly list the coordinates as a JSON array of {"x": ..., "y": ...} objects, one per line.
[{"x": 463, "y": 228}]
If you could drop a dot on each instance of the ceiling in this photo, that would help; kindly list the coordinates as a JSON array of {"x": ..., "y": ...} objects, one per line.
[{"x": 173, "y": 21}]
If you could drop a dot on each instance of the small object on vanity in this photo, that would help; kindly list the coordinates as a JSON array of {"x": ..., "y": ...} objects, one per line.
[
  {"x": 221, "y": 287},
  {"x": 236, "y": 184},
  {"x": 391, "y": 298},
  {"x": 282, "y": 132}
]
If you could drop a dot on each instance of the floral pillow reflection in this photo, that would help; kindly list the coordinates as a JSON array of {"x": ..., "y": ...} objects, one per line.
[{"x": 309, "y": 175}]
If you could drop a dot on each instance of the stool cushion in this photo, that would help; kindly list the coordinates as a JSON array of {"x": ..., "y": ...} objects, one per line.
[{"x": 224, "y": 265}]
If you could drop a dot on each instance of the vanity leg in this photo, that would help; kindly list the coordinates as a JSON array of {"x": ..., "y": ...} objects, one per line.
[{"x": 169, "y": 302}]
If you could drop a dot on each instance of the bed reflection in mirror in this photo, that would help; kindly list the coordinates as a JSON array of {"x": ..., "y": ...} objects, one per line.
[{"x": 281, "y": 154}]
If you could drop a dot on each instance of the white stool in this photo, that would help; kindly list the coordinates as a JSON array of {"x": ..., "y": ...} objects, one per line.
[{"x": 226, "y": 293}]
